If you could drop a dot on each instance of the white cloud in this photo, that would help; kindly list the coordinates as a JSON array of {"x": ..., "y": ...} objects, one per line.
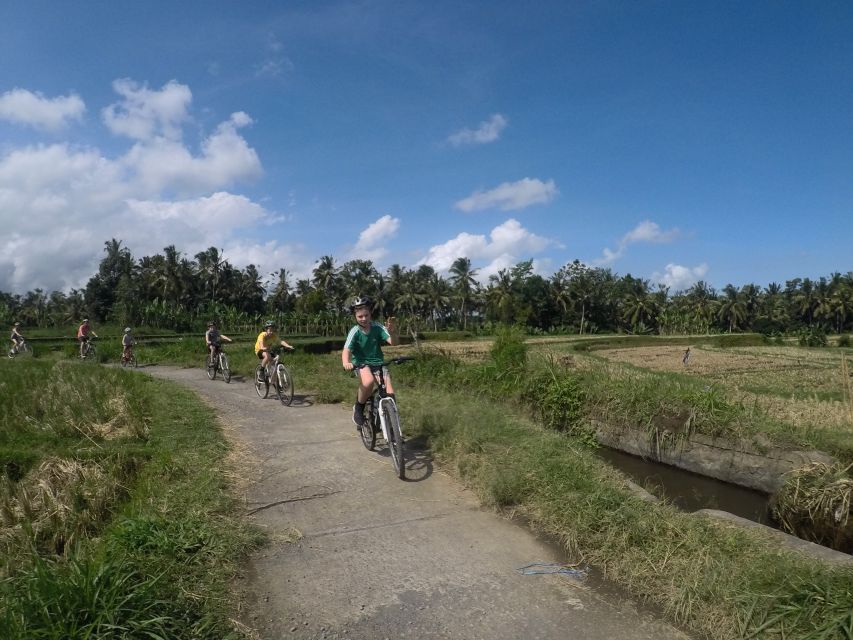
[
  {"x": 488, "y": 131},
  {"x": 143, "y": 114},
  {"x": 25, "y": 107},
  {"x": 367, "y": 247},
  {"x": 59, "y": 204},
  {"x": 505, "y": 246},
  {"x": 678, "y": 278},
  {"x": 510, "y": 196},
  {"x": 646, "y": 231}
]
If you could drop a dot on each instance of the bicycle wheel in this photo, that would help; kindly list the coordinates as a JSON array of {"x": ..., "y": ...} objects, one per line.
[
  {"x": 284, "y": 384},
  {"x": 211, "y": 367},
  {"x": 12, "y": 352},
  {"x": 90, "y": 352},
  {"x": 395, "y": 438},
  {"x": 369, "y": 428},
  {"x": 262, "y": 385},
  {"x": 133, "y": 362},
  {"x": 225, "y": 367}
]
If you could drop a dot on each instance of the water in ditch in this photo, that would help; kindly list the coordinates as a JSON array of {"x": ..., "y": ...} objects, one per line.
[{"x": 690, "y": 491}]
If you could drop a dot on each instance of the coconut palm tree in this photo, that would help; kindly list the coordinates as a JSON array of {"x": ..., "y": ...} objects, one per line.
[{"x": 464, "y": 283}]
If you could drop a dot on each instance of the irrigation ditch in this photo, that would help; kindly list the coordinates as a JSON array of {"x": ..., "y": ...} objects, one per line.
[{"x": 714, "y": 477}]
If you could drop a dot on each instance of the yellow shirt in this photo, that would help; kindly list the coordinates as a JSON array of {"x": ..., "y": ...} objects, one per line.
[{"x": 264, "y": 341}]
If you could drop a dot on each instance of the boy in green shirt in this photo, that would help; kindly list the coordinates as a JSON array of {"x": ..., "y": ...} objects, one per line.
[{"x": 363, "y": 350}]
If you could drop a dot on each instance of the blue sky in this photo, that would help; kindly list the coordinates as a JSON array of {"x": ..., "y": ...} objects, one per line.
[{"x": 674, "y": 141}]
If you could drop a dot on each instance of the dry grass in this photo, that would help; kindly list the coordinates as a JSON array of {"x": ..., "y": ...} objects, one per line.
[
  {"x": 815, "y": 504},
  {"x": 55, "y": 505}
]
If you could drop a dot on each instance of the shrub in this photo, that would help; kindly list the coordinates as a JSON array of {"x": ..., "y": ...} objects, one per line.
[
  {"x": 509, "y": 351},
  {"x": 812, "y": 337},
  {"x": 561, "y": 403},
  {"x": 844, "y": 340}
]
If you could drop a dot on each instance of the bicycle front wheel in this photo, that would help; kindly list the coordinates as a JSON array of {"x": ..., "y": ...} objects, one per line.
[
  {"x": 91, "y": 353},
  {"x": 211, "y": 367},
  {"x": 369, "y": 428},
  {"x": 284, "y": 384},
  {"x": 133, "y": 362},
  {"x": 226, "y": 368},
  {"x": 395, "y": 438},
  {"x": 262, "y": 385}
]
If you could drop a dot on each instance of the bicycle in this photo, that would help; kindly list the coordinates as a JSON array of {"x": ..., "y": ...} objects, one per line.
[
  {"x": 129, "y": 360},
  {"x": 19, "y": 348},
  {"x": 218, "y": 362},
  {"x": 281, "y": 379},
  {"x": 381, "y": 416},
  {"x": 89, "y": 350}
]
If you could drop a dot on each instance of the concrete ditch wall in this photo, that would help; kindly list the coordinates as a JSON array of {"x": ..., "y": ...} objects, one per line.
[{"x": 757, "y": 467}]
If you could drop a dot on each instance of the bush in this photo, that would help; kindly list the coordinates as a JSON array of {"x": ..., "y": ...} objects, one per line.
[
  {"x": 561, "y": 404},
  {"x": 509, "y": 351},
  {"x": 812, "y": 337},
  {"x": 844, "y": 340}
]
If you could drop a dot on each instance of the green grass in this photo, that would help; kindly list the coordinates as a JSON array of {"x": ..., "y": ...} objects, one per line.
[
  {"x": 714, "y": 579},
  {"x": 136, "y": 533}
]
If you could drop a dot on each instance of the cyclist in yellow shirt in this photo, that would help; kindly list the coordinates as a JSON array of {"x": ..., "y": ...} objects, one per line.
[{"x": 267, "y": 340}]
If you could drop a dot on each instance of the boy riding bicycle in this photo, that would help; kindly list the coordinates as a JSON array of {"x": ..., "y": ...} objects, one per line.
[
  {"x": 267, "y": 341},
  {"x": 16, "y": 337},
  {"x": 363, "y": 350},
  {"x": 127, "y": 342},
  {"x": 213, "y": 339}
]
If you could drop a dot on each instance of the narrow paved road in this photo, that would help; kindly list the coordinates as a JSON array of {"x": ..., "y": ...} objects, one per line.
[{"x": 376, "y": 557}]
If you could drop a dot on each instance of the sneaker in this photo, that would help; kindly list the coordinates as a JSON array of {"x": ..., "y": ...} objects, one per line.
[{"x": 358, "y": 415}]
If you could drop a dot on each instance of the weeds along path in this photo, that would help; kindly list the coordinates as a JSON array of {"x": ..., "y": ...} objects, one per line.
[{"x": 356, "y": 553}]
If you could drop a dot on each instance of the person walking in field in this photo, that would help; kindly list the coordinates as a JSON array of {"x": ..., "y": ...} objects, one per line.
[
  {"x": 363, "y": 349},
  {"x": 84, "y": 334},
  {"x": 127, "y": 342}
]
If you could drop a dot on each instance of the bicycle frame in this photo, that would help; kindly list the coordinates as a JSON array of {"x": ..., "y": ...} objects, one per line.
[{"x": 379, "y": 377}]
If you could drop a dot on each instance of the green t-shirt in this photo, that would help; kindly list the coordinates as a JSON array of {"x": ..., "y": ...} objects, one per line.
[{"x": 366, "y": 348}]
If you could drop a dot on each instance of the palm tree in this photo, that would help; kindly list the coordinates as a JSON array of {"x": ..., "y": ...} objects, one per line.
[
  {"x": 731, "y": 308},
  {"x": 437, "y": 298},
  {"x": 500, "y": 296},
  {"x": 465, "y": 283}
]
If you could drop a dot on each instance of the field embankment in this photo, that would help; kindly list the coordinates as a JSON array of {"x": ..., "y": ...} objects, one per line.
[{"x": 115, "y": 519}]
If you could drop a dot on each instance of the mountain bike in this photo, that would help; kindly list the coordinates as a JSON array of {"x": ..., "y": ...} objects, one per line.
[
  {"x": 19, "y": 348},
  {"x": 218, "y": 362},
  {"x": 89, "y": 352},
  {"x": 381, "y": 416},
  {"x": 129, "y": 360},
  {"x": 277, "y": 375}
]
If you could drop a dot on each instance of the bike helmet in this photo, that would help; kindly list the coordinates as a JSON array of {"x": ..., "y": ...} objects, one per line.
[
  {"x": 127, "y": 329},
  {"x": 17, "y": 324},
  {"x": 211, "y": 323},
  {"x": 85, "y": 319},
  {"x": 361, "y": 302},
  {"x": 268, "y": 324}
]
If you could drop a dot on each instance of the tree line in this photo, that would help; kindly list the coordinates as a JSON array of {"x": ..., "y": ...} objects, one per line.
[{"x": 171, "y": 290}]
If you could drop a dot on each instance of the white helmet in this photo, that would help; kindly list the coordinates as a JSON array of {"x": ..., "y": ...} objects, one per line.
[{"x": 127, "y": 329}]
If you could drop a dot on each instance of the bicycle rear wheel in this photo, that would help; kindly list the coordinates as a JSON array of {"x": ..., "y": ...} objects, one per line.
[
  {"x": 133, "y": 362},
  {"x": 225, "y": 367},
  {"x": 262, "y": 385},
  {"x": 395, "y": 438},
  {"x": 284, "y": 384},
  {"x": 369, "y": 428},
  {"x": 211, "y": 367}
]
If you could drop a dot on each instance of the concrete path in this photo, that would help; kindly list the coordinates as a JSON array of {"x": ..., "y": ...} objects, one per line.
[{"x": 377, "y": 557}]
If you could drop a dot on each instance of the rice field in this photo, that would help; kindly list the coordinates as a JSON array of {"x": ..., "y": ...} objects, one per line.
[{"x": 804, "y": 387}]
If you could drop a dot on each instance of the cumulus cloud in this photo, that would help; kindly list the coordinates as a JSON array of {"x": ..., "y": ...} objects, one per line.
[
  {"x": 33, "y": 109},
  {"x": 678, "y": 278},
  {"x": 144, "y": 113},
  {"x": 488, "y": 131},
  {"x": 510, "y": 196},
  {"x": 369, "y": 242},
  {"x": 505, "y": 245},
  {"x": 58, "y": 203},
  {"x": 646, "y": 231}
]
